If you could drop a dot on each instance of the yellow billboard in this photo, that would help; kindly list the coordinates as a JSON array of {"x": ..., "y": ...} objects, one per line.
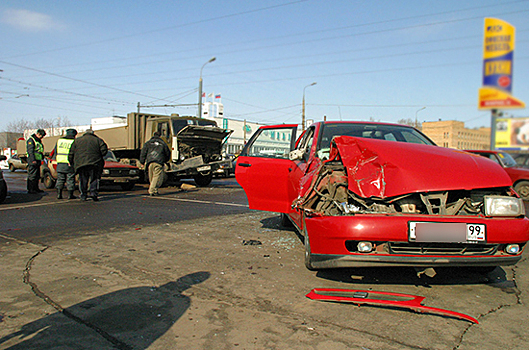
[
  {"x": 512, "y": 133},
  {"x": 498, "y": 51}
]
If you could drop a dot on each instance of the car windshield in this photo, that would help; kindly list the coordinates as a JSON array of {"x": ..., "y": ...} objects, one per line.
[
  {"x": 386, "y": 132},
  {"x": 110, "y": 157},
  {"x": 506, "y": 159}
]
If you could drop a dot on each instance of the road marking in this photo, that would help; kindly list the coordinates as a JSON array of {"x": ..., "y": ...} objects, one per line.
[
  {"x": 198, "y": 201},
  {"x": 30, "y": 205}
]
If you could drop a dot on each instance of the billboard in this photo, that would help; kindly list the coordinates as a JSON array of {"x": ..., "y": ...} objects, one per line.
[
  {"x": 512, "y": 133},
  {"x": 498, "y": 52}
]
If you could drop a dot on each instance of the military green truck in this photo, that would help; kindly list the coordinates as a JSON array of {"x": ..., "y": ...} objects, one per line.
[{"x": 195, "y": 143}]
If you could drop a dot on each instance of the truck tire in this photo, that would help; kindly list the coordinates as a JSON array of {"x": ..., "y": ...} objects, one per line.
[
  {"x": 128, "y": 186},
  {"x": 203, "y": 180},
  {"x": 48, "y": 180}
]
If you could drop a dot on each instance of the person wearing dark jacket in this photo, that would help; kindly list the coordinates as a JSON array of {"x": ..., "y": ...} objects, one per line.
[
  {"x": 65, "y": 172},
  {"x": 87, "y": 157},
  {"x": 154, "y": 154},
  {"x": 35, "y": 154}
]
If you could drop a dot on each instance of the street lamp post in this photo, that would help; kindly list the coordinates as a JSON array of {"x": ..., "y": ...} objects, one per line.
[
  {"x": 200, "y": 87},
  {"x": 420, "y": 109},
  {"x": 303, "y": 108}
]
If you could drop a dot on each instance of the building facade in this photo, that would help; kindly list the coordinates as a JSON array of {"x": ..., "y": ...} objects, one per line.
[{"x": 453, "y": 134}]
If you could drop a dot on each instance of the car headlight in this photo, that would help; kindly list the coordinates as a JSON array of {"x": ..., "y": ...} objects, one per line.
[
  {"x": 503, "y": 206},
  {"x": 133, "y": 172},
  {"x": 106, "y": 171}
]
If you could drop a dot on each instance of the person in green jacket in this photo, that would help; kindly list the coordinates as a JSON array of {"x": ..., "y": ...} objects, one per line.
[{"x": 35, "y": 154}]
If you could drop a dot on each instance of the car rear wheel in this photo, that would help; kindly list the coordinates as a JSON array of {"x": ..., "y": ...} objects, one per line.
[
  {"x": 522, "y": 188},
  {"x": 285, "y": 221},
  {"x": 308, "y": 253},
  {"x": 48, "y": 180},
  {"x": 12, "y": 168},
  {"x": 203, "y": 180}
]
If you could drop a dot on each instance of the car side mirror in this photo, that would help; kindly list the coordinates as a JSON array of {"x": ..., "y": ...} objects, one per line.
[{"x": 296, "y": 155}]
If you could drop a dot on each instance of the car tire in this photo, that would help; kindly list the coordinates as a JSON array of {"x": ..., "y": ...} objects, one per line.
[
  {"x": 3, "y": 191},
  {"x": 128, "y": 186},
  {"x": 48, "y": 180},
  {"x": 522, "y": 188},
  {"x": 308, "y": 253},
  {"x": 285, "y": 221},
  {"x": 12, "y": 168},
  {"x": 203, "y": 180}
]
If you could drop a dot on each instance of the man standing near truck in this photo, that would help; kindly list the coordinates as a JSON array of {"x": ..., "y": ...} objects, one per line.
[
  {"x": 87, "y": 157},
  {"x": 35, "y": 154},
  {"x": 154, "y": 154},
  {"x": 65, "y": 172}
]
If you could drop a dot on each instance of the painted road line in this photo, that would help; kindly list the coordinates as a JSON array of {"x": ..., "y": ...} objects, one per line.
[
  {"x": 198, "y": 201},
  {"x": 2, "y": 208}
]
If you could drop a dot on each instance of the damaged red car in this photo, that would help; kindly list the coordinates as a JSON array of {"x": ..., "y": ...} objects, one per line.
[{"x": 378, "y": 194}]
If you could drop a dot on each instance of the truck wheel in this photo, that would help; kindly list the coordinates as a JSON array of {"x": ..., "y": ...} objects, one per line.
[
  {"x": 48, "y": 180},
  {"x": 203, "y": 180},
  {"x": 12, "y": 168},
  {"x": 128, "y": 186}
]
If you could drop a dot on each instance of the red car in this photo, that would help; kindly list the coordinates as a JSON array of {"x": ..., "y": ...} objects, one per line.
[
  {"x": 519, "y": 176},
  {"x": 114, "y": 172},
  {"x": 376, "y": 194}
]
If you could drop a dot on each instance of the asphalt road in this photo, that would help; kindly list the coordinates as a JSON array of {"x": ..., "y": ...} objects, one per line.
[
  {"x": 197, "y": 269},
  {"x": 42, "y": 218}
]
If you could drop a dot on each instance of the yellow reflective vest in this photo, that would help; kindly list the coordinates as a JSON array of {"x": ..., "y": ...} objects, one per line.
[
  {"x": 63, "y": 148},
  {"x": 39, "y": 149}
]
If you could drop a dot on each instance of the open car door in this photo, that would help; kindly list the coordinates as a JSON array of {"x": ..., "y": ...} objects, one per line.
[{"x": 263, "y": 169}]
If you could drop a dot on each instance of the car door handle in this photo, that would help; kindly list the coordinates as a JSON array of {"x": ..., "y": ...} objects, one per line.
[{"x": 246, "y": 165}]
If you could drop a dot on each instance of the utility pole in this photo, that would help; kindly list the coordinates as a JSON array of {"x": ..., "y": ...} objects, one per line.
[
  {"x": 303, "y": 108},
  {"x": 200, "y": 87}
]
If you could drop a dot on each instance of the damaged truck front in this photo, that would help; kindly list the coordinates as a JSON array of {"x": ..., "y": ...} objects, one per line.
[{"x": 375, "y": 194}]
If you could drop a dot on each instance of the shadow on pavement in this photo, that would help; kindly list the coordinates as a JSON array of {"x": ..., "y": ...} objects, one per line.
[
  {"x": 22, "y": 197},
  {"x": 127, "y": 319},
  {"x": 410, "y": 276}
]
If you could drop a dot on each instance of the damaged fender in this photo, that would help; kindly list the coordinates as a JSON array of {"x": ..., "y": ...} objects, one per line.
[{"x": 399, "y": 300}]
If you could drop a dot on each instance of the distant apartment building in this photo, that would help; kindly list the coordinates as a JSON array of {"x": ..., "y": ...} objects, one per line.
[{"x": 453, "y": 134}]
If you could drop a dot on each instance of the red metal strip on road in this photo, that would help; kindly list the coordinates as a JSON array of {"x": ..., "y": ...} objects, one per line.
[{"x": 399, "y": 300}]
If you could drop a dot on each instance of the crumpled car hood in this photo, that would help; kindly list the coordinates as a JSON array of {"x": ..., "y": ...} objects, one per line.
[
  {"x": 208, "y": 133},
  {"x": 379, "y": 168}
]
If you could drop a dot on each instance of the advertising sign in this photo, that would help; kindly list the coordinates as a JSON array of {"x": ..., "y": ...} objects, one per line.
[
  {"x": 498, "y": 51},
  {"x": 512, "y": 133}
]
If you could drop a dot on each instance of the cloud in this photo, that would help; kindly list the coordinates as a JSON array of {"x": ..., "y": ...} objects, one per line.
[{"x": 29, "y": 21}]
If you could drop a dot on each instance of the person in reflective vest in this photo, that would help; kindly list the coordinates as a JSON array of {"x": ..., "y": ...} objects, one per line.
[
  {"x": 35, "y": 154},
  {"x": 65, "y": 172}
]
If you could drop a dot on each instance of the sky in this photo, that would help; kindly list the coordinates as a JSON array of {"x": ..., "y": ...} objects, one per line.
[{"x": 370, "y": 60}]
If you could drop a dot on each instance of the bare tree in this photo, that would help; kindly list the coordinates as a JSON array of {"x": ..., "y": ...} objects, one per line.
[
  {"x": 19, "y": 125},
  {"x": 42, "y": 123},
  {"x": 409, "y": 122}
]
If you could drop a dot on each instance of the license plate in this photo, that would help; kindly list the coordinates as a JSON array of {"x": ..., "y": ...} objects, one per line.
[
  {"x": 120, "y": 180},
  {"x": 446, "y": 232},
  {"x": 204, "y": 168}
]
